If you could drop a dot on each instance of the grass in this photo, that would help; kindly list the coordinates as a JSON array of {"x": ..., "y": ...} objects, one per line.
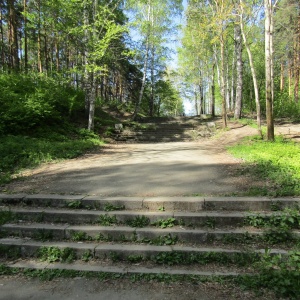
[
  {"x": 277, "y": 164},
  {"x": 20, "y": 152}
]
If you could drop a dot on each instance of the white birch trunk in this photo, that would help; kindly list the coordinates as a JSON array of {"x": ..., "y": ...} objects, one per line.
[
  {"x": 253, "y": 72},
  {"x": 269, "y": 67}
]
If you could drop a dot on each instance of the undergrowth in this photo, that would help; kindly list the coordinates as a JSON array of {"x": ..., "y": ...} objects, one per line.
[
  {"x": 276, "y": 164},
  {"x": 20, "y": 152}
]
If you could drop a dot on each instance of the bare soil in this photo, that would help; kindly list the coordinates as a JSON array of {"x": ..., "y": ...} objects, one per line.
[{"x": 20, "y": 288}]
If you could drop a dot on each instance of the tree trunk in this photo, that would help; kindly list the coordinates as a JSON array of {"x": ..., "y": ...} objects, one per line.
[
  {"x": 57, "y": 53},
  {"x": 222, "y": 73},
  {"x": 196, "y": 101},
  {"x": 233, "y": 84},
  {"x": 13, "y": 35},
  {"x": 297, "y": 64},
  {"x": 25, "y": 38},
  {"x": 151, "y": 99},
  {"x": 269, "y": 72},
  {"x": 145, "y": 69},
  {"x": 290, "y": 79},
  {"x": 239, "y": 72},
  {"x": 253, "y": 72},
  {"x": 92, "y": 100},
  {"x": 213, "y": 96},
  {"x": 282, "y": 76},
  {"x": 2, "y": 39},
  {"x": 227, "y": 85},
  {"x": 40, "y": 66}
]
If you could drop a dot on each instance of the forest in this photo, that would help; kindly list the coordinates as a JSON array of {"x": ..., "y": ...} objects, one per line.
[{"x": 63, "y": 62}]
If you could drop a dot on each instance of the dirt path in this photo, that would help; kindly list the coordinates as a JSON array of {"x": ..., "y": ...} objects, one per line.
[
  {"x": 20, "y": 288},
  {"x": 163, "y": 169}
]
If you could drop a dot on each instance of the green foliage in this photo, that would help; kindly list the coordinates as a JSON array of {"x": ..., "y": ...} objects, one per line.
[
  {"x": 285, "y": 107},
  {"x": 80, "y": 236},
  {"x": 164, "y": 240},
  {"x": 107, "y": 220},
  {"x": 10, "y": 252},
  {"x": 34, "y": 100},
  {"x": 135, "y": 258},
  {"x": 19, "y": 152},
  {"x": 278, "y": 226},
  {"x": 277, "y": 162},
  {"x": 4, "y": 270},
  {"x": 180, "y": 258},
  {"x": 139, "y": 222},
  {"x": 6, "y": 216},
  {"x": 43, "y": 235},
  {"x": 55, "y": 254},
  {"x": 75, "y": 204},
  {"x": 165, "y": 223},
  {"x": 288, "y": 218},
  {"x": 281, "y": 274},
  {"x": 87, "y": 256},
  {"x": 210, "y": 222},
  {"x": 115, "y": 257},
  {"x": 111, "y": 207},
  {"x": 277, "y": 273}
]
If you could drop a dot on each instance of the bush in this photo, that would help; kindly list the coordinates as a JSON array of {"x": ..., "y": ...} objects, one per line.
[{"x": 29, "y": 101}]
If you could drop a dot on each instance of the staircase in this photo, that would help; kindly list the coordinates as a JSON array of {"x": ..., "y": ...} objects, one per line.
[
  {"x": 167, "y": 129},
  {"x": 187, "y": 236}
]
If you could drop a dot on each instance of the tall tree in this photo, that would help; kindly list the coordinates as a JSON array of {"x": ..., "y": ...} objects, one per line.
[
  {"x": 269, "y": 65},
  {"x": 153, "y": 22},
  {"x": 251, "y": 61}
]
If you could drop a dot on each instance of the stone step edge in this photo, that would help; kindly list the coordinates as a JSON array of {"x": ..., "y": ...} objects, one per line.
[
  {"x": 155, "y": 203},
  {"x": 127, "y": 248},
  {"x": 67, "y": 229},
  {"x": 85, "y": 216},
  {"x": 119, "y": 270},
  {"x": 136, "y": 213}
]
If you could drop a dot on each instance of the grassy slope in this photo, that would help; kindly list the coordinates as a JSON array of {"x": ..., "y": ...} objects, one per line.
[{"x": 276, "y": 164}]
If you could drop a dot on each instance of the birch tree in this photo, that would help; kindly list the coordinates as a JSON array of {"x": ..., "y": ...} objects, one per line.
[
  {"x": 153, "y": 22},
  {"x": 269, "y": 11},
  {"x": 251, "y": 61}
]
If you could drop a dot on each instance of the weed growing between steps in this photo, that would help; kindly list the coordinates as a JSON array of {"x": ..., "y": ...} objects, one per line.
[
  {"x": 180, "y": 258},
  {"x": 43, "y": 235},
  {"x": 107, "y": 220},
  {"x": 111, "y": 207},
  {"x": 139, "y": 222},
  {"x": 55, "y": 254},
  {"x": 281, "y": 275},
  {"x": 278, "y": 226},
  {"x": 165, "y": 223},
  {"x": 74, "y": 204},
  {"x": 277, "y": 163},
  {"x": 80, "y": 236},
  {"x": 162, "y": 240},
  {"x": 276, "y": 273},
  {"x": 6, "y": 216},
  {"x": 9, "y": 252},
  {"x": 87, "y": 256}
]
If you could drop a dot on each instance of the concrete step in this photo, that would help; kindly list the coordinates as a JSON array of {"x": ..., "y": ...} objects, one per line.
[
  {"x": 120, "y": 269},
  {"x": 30, "y": 248},
  {"x": 80, "y": 216},
  {"x": 208, "y": 238},
  {"x": 192, "y": 204},
  {"x": 44, "y": 231}
]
